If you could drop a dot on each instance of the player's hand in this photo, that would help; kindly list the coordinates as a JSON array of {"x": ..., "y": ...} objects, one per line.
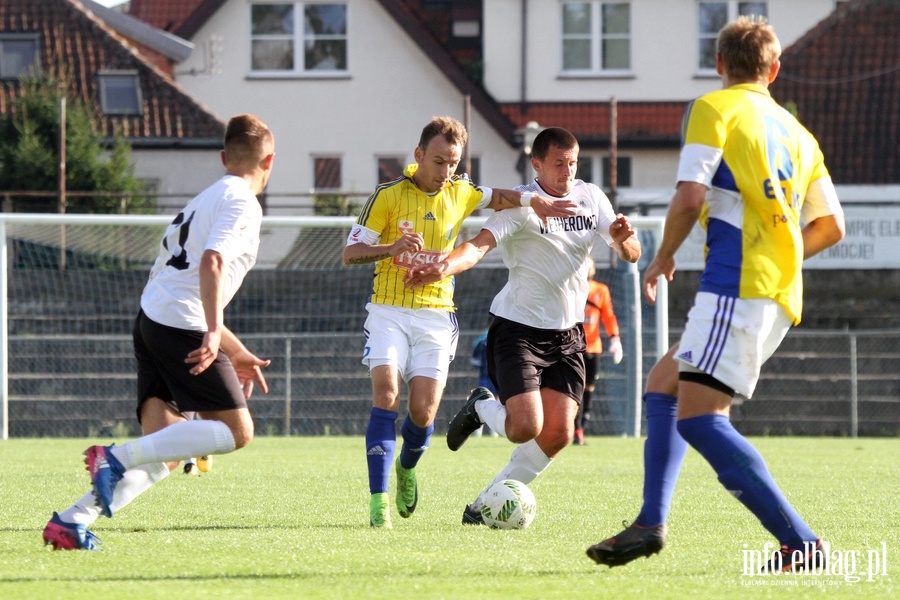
[
  {"x": 621, "y": 229},
  {"x": 206, "y": 354},
  {"x": 410, "y": 242},
  {"x": 420, "y": 275},
  {"x": 545, "y": 207},
  {"x": 659, "y": 267},
  {"x": 615, "y": 349},
  {"x": 249, "y": 370}
]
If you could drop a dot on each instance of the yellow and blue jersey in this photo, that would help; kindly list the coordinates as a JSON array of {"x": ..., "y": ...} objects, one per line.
[
  {"x": 758, "y": 162},
  {"x": 399, "y": 207}
]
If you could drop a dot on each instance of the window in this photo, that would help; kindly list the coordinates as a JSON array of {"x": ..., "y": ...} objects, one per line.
[
  {"x": 389, "y": 168},
  {"x": 623, "y": 172},
  {"x": 327, "y": 174},
  {"x": 713, "y": 16},
  {"x": 596, "y": 36},
  {"x": 298, "y": 38},
  {"x": 120, "y": 92},
  {"x": 19, "y": 55},
  {"x": 587, "y": 170}
]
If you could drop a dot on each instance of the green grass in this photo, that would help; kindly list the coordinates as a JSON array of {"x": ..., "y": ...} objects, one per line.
[{"x": 288, "y": 518}]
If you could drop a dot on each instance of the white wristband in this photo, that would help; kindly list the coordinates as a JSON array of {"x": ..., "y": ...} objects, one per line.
[{"x": 525, "y": 200}]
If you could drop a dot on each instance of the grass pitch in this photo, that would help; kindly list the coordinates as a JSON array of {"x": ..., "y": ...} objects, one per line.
[{"x": 288, "y": 518}]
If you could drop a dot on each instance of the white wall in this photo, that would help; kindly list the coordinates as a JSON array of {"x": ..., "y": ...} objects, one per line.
[
  {"x": 664, "y": 50},
  {"x": 184, "y": 173},
  {"x": 393, "y": 90}
]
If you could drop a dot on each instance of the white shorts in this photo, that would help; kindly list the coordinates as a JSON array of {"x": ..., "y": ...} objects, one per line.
[
  {"x": 419, "y": 342},
  {"x": 730, "y": 338}
]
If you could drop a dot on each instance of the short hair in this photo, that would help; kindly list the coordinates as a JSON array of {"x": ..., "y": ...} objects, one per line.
[
  {"x": 452, "y": 130},
  {"x": 552, "y": 136},
  {"x": 749, "y": 47},
  {"x": 247, "y": 140}
]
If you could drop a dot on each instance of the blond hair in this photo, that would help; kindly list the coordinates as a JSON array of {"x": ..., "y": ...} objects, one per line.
[{"x": 749, "y": 47}]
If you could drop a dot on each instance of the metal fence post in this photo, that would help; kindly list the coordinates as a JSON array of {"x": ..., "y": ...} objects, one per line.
[
  {"x": 287, "y": 386},
  {"x": 854, "y": 389}
]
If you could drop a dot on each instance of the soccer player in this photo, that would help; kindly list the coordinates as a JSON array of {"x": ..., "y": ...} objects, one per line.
[
  {"x": 412, "y": 334},
  {"x": 757, "y": 181},
  {"x": 536, "y": 342},
  {"x": 599, "y": 308},
  {"x": 187, "y": 359}
]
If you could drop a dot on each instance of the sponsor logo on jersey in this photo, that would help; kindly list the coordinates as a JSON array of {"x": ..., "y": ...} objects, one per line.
[
  {"x": 355, "y": 233},
  {"x": 573, "y": 223},
  {"x": 429, "y": 216},
  {"x": 408, "y": 260}
]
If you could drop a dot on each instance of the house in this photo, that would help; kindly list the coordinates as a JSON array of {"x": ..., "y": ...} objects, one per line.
[
  {"x": 175, "y": 139},
  {"x": 349, "y": 84}
]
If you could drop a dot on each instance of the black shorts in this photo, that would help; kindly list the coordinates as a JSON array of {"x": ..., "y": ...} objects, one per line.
[
  {"x": 525, "y": 359},
  {"x": 162, "y": 373}
]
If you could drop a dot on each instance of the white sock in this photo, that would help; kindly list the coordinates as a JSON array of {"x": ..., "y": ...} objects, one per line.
[
  {"x": 493, "y": 414},
  {"x": 177, "y": 442},
  {"x": 134, "y": 482},
  {"x": 526, "y": 463}
]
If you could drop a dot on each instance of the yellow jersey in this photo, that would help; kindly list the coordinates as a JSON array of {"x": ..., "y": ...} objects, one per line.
[
  {"x": 758, "y": 162},
  {"x": 398, "y": 207}
]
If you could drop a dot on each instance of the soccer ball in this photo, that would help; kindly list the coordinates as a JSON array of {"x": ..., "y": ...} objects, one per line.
[{"x": 508, "y": 504}]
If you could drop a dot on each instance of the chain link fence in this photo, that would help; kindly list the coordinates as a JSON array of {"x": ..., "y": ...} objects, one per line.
[{"x": 71, "y": 293}]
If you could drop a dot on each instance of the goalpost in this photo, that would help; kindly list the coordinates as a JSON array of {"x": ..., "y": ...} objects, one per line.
[{"x": 70, "y": 287}]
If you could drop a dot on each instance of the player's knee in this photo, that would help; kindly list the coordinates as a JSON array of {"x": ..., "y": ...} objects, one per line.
[{"x": 519, "y": 433}]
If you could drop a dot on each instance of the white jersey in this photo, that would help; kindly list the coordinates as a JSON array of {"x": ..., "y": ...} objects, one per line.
[
  {"x": 548, "y": 270},
  {"x": 225, "y": 217}
]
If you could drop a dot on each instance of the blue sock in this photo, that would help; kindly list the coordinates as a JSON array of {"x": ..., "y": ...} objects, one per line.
[
  {"x": 381, "y": 440},
  {"x": 743, "y": 472},
  {"x": 664, "y": 453},
  {"x": 415, "y": 442}
]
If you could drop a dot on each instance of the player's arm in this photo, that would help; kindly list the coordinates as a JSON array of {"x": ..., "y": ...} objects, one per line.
[
  {"x": 212, "y": 285},
  {"x": 684, "y": 211},
  {"x": 463, "y": 257},
  {"x": 542, "y": 206},
  {"x": 823, "y": 216},
  {"x": 822, "y": 233},
  {"x": 363, "y": 246},
  {"x": 625, "y": 241},
  {"x": 247, "y": 365}
]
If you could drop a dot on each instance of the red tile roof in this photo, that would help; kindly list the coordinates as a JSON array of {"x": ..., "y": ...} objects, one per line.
[
  {"x": 640, "y": 124},
  {"x": 74, "y": 37},
  {"x": 843, "y": 76},
  {"x": 169, "y": 15}
]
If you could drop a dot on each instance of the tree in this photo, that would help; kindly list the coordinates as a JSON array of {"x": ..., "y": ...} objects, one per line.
[{"x": 29, "y": 140}]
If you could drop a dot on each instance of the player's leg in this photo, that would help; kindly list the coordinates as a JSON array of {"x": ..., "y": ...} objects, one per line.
[
  {"x": 388, "y": 335},
  {"x": 584, "y": 409},
  {"x": 216, "y": 394},
  {"x": 664, "y": 451},
  {"x": 434, "y": 336},
  {"x": 704, "y": 399},
  {"x": 381, "y": 440},
  {"x": 68, "y": 529}
]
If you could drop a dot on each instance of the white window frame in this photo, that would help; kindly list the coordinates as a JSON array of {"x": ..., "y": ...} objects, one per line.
[
  {"x": 733, "y": 13},
  {"x": 300, "y": 37},
  {"x": 597, "y": 37}
]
